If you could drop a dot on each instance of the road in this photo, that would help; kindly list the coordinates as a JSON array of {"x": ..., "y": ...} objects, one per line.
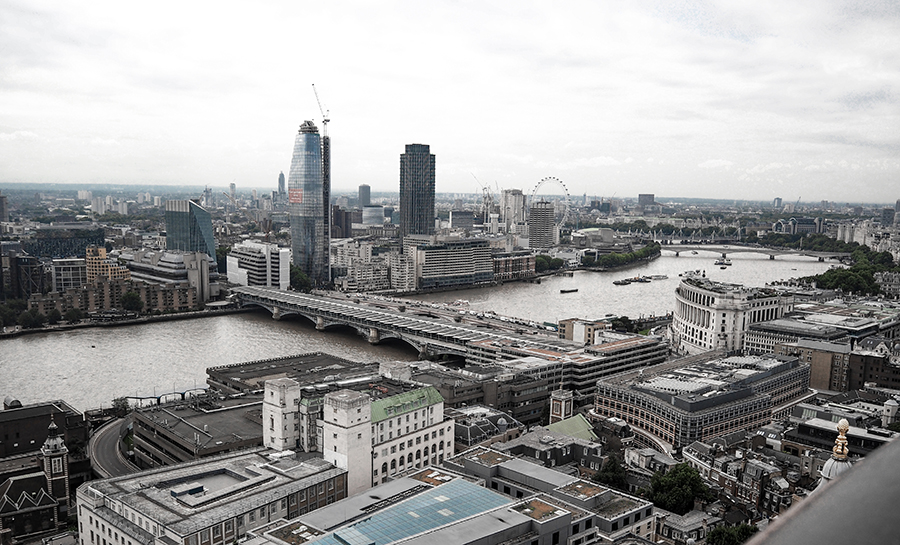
[{"x": 106, "y": 460}]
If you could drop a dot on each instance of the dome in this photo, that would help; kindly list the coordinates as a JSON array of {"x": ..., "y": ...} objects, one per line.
[{"x": 838, "y": 463}]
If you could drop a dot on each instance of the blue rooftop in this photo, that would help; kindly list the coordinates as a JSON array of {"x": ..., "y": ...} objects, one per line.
[{"x": 446, "y": 504}]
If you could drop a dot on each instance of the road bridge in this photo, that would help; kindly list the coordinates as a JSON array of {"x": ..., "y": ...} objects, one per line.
[
  {"x": 724, "y": 250},
  {"x": 429, "y": 335}
]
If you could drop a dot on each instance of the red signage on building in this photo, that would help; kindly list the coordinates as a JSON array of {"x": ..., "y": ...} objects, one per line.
[{"x": 295, "y": 196}]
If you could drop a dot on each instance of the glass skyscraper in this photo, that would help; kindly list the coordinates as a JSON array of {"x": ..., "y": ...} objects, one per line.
[
  {"x": 309, "y": 246},
  {"x": 189, "y": 228},
  {"x": 417, "y": 190}
]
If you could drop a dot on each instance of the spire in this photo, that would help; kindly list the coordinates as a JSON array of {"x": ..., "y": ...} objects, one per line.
[{"x": 839, "y": 462}]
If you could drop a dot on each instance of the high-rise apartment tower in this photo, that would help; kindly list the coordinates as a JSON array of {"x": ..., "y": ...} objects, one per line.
[
  {"x": 417, "y": 190},
  {"x": 309, "y": 245},
  {"x": 542, "y": 231}
]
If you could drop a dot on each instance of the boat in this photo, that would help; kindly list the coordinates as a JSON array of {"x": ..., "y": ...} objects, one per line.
[
  {"x": 723, "y": 267},
  {"x": 573, "y": 290},
  {"x": 725, "y": 262},
  {"x": 641, "y": 279},
  {"x": 623, "y": 282},
  {"x": 693, "y": 252},
  {"x": 658, "y": 277}
]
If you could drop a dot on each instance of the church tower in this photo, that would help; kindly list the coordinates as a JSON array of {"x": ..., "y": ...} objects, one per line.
[
  {"x": 561, "y": 405},
  {"x": 55, "y": 456}
]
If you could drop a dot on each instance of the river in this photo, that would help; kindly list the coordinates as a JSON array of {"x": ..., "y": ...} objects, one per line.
[{"x": 90, "y": 367}]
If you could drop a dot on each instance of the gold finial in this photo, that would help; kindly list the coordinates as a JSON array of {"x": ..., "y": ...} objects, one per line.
[{"x": 840, "y": 450}]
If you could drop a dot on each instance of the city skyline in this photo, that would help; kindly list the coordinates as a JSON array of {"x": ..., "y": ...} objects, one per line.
[{"x": 687, "y": 99}]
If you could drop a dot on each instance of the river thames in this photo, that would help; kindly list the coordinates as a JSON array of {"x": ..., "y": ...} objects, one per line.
[{"x": 90, "y": 367}]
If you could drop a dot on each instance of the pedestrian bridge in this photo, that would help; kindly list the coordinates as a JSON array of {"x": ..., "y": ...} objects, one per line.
[{"x": 430, "y": 336}]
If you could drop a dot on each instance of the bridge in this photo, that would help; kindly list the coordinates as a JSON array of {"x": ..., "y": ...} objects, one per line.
[
  {"x": 724, "y": 250},
  {"x": 431, "y": 336}
]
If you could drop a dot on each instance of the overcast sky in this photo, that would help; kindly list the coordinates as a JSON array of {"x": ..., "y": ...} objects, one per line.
[{"x": 693, "y": 99}]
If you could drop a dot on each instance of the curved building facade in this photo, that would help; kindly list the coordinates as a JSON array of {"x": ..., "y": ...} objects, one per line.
[
  {"x": 716, "y": 316},
  {"x": 305, "y": 198}
]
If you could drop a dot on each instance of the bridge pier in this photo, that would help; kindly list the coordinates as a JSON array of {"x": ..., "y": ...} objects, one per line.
[
  {"x": 320, "y": 323},
  {"x": 724, "y": 256},
  {"x": 772, "y": 257},
  {"x": 374, "y": 336},
  {"x": 821, "y": 259},
  {"x": 423, "y": 352},
  {"x": 676, "y": 254},
  {"x": 276, "y": 313}
]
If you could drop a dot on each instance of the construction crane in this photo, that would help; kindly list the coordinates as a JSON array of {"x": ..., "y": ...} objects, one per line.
[
  {"x": 233, "y": 205},
  {"x": 322, "y": 111}
]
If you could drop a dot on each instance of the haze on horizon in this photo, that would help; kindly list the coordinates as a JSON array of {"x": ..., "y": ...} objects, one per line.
[{"x": 691, "y": 99}]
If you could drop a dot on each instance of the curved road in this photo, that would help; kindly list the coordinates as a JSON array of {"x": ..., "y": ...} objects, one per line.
[{"x": 106, "y": 459}]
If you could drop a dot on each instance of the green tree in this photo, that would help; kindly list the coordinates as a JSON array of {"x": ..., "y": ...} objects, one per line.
[
  {"x": 556, "y": 263},
  {"x": 120, "y": 406},
  {"x": 612, "y": 474},
  {"x": 894, "y": 426},
  {"x": 54, "y": 316},
  {"x": 222, "y": 258},
  {"x": 299, "y": 280},
  {"x": 677, "y": 489},
  {"x": 31, "y": 319},
  {"x": 730, "y": 535},
  {"x": 74, "y": 315},
  {"x": 131, "y": 300},
  {"x": 541, "y": 263}
]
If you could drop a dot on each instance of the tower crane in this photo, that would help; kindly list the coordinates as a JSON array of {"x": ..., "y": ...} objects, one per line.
[
  {"x": 233, "y": 204},
  {"x": 325, "y": 118}
]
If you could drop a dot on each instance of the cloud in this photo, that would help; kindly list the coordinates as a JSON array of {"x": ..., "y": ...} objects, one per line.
[
  {"x": 19, "y": 135},
  {"x": 716, "y": 163}
]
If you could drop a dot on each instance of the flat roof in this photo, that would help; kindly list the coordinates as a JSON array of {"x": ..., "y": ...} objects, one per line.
[
  {"x": 253, "y": 480},
  {"x": 422, "y": 513}
]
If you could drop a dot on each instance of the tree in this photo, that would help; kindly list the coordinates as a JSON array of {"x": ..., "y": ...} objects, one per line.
[
  {"x": 74, "y": 315},
  {"x": 54, "y": 316},
  {"x": 677, "y": 489},
  {"x": 299, "y": 280},
  {"x": 222, "y": 258},
  {"x": 612, "y": 474},
  {"x": 131, "y": 300},
  {"x": 31, "y": 319},
  {"x": 541, "y": 263},
  {"x": 556, "y": 263},
  {"x": 120, "y": 406},
  {"x": 730, "y": 535}
]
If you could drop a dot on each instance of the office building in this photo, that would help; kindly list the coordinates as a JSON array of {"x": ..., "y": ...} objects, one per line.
[
  {"x": 676, "y": 403},
  {"x": 282, "y": 192},
  {"x": 365, "y": 195},
  {"x": 374, "y": 440},
  {"x": 259, "y": 264},
  {"x": 776, "y": 203},
  {"x": 512, "y": 207},
  {"x": 170, "y": 267},
  {"x": 417, "y": 179},
  {"x": 887, "y": 217},
  {"x": 829, "y": 363},
  {"x": 646, "y": 199},
  {"x": 450, "y": 263},
  {"x": 762, "y": 337},
  {"x": 715, "y": 315},
  {"x": 309, "y": 244},
  {"x": 189, "y": 228},
  {"x": 4, "y": 208},
  {"x": 212, "y": 501},
  {"x": 542, "y": 231}
]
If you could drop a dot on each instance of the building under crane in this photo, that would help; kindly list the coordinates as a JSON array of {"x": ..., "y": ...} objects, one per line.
[{"x": 326, "y": 179}]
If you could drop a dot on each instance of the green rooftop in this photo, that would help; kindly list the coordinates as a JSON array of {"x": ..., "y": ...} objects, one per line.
[
  {"x": 389, "y": 407},
  {"x": 576, "y": 426}
]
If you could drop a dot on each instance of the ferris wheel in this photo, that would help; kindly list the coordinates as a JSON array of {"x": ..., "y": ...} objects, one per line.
[{"x": 562, "y": 215}]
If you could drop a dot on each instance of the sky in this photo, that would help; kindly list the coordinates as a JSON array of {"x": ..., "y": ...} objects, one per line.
[{"x": 731, "y": 100}]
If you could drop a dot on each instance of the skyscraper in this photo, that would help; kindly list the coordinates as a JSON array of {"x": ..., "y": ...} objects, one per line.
[
  {"x": 4, "y": 208},
  {"x": 281, "y": 191},
  {"x": 512, "y": 206},
  {"x": 305, "y": 195},
  {"x": 542, "y": 232},
  {"x": 189, "y": 228},
  {"x": 417, "y": 190},
  {"x": 365, "y": 195}
]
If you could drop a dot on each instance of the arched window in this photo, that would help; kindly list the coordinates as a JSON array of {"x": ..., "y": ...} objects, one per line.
[
  {"x": 433, "y": 449},
  {"x": 418, "y": 454},
  {"x": 393, "y": 465},
  {"x": 410, "y": 459},
  {"x": 402, "y": 460},
  {"x": 384, "y": 468}
]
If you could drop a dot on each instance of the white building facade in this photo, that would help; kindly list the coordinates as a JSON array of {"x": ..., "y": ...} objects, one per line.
[
  {"x": 259, "y": 264},
  {"x": 715, "y": 316}
]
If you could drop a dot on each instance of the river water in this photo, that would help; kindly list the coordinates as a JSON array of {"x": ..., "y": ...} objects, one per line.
[{"x": 90, "y": 367}]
